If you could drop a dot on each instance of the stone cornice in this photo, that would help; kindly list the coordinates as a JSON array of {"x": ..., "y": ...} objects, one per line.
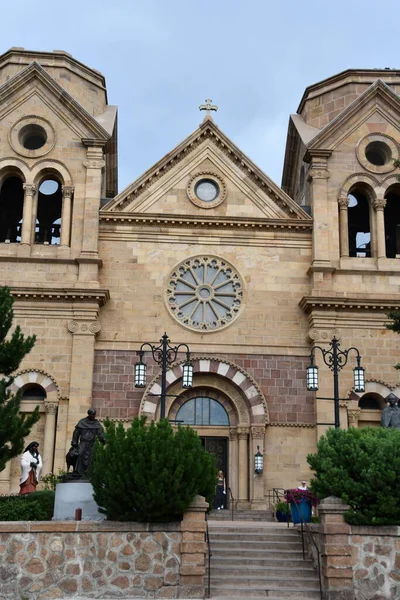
[
  {"x": 278, "y": 424},
  {"x": 98, "y": 296},
  {"x": 155, "y": 220},
  {"x": 208, "y": 129},
  {"x": 310, "y": 303}
]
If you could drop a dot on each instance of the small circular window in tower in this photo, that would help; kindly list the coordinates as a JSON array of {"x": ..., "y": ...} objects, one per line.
[
  {"x": 206, "y": 190},
  {"x": 378, "y": 153},
  {"x": 32, "y": 136}
]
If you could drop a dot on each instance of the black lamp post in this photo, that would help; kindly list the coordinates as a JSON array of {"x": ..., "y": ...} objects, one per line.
[
  {"x": 335, "y": 359},
  {"x": 164, "y": 355}
]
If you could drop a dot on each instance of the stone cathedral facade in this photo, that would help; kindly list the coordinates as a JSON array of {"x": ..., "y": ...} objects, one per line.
[{"x": 206, "y": 247}]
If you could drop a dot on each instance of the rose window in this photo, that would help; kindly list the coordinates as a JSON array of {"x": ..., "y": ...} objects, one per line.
[{"x": 205, "y": 293}]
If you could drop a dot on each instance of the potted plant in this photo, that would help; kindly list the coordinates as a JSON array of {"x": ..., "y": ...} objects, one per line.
[
  {"x": 300, "y": 502},
  {"x": 282, "y": 511}
]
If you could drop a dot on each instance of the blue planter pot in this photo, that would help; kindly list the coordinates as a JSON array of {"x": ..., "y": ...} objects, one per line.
[{"x": 302, "y": 508}]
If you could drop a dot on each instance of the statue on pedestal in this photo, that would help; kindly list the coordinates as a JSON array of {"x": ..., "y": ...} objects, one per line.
[
  {"x": 85, "y": 433},
  {"x": 391, "y": 414}
]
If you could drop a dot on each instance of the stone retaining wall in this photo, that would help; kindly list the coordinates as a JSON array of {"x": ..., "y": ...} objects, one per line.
[
  {"x": 53, "y": 559},
  {"x": 358, "y": 563}
]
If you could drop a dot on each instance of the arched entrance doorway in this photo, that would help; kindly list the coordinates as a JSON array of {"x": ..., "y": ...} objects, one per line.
[{"x": 228, "y": 411}]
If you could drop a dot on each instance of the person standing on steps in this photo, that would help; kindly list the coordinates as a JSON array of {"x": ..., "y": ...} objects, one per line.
[
  {"x": 303, "y": 485},
  {"x": 221, "y": 490}
]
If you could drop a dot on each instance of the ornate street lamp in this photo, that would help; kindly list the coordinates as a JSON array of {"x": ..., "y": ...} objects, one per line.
[
  {"x": 258, "y": 462},
  {"x": 164, "y": 355},
  {"x": 335, "y": 359}
]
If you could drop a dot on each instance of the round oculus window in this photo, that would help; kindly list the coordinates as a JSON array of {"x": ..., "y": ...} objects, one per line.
[
  {"x": 206, "y": 190},
  {"x": 205, "y": 293},
  {"x": 378, "y": 153}
]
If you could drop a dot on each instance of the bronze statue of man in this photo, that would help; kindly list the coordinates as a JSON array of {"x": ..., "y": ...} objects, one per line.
[
  {"x": 391, "y": 414},
  {"x": 85, "y": 433}
]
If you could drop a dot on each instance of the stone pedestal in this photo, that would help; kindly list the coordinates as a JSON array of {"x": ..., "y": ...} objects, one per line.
[
  {"x": 193, "y": 549},
  {"x": 73, "y": 495}
]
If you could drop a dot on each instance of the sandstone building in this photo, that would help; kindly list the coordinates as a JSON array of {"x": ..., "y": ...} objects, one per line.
[{"x": 207, "y": 248}]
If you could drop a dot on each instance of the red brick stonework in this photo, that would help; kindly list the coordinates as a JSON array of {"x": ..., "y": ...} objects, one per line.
[{"x": 281, "y": 380}]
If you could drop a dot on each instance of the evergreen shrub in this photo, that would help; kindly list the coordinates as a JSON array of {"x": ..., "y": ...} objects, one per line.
[
  {"x": 150, "y": 472},
  {"x": 38, "y": 506},
  {"x": 362, "y": 467}
]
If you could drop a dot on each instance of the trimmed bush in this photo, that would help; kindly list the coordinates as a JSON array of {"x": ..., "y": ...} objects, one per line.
[
  {"x": 38, "y": 506},
  {"x": 150, "y": 473},
  {"x": 362, "y": 467}
]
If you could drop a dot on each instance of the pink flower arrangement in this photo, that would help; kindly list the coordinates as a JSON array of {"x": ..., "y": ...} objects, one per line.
[{"x": 296, "y": 495}]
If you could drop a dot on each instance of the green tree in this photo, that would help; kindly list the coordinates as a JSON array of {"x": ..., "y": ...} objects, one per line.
[
  {"x": 362, "y": 467},
  {"x": 150, "y": 472},
  {"x": 14, "y": 427}
]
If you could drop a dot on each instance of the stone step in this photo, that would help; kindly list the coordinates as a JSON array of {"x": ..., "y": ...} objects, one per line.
[
  {"x": 254, "y": 544},
  {"x": 275, "y": 581},
  {"x": 217, "y": 571},
  {"x": 238, "y": 554},
  {"x": 273, "y": 561},
  {"x": 240, "y": 592},
  {"x": 267, "y": 536}
]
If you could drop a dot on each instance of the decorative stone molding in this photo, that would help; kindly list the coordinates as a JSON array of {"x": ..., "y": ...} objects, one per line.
[
  {"x": 343, "y": 202},
  {"x": 306, "y": 425},
  {"x": 353, "y": 416},
  {"x": 318, "y": 174},
  {"x": 344, "y": 403},
  {"x": 257, "y": 433},
  {"x": 387, "y": 142},
  {"x": 311, "y": 303},
  {"x": 217, "y": 179},
  {"x": 324, "y": 335},
  {"x": 233, "y": 434},
  {"x": 84, "y": 328},
  {"x": 41, "y": 378},
  {"x": 21, "y": 128},
  {"x": 379, "y": 204},
  {"x": 243, "y": 433},
  {"x": 94, "y": 164},
  {"x": 67, "y": 191},
  {"x": 51, "y": 407},
  {"x": 223, "y": 369},
  {"x": 30, "y": 189},
  {"x": 97, "y": 296}
]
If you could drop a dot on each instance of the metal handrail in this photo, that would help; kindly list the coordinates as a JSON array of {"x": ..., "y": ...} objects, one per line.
[
  {"x": 207, "y": 535},
  {"x": 310, "y": 533},
  {"x": 232, "y": 502}
]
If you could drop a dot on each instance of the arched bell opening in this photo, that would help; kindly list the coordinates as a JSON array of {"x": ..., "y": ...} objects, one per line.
[
  {"x": 48, "y": 214},
  {"x": 11, "y": 209},
  {"x": 359, "y": 222},
  {"x": 392, "y": 221}
]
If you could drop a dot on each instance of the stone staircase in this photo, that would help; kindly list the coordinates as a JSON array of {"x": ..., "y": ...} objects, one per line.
[
  {"x": 259, "y": 560},
  {"x": 241, "y": 515}
]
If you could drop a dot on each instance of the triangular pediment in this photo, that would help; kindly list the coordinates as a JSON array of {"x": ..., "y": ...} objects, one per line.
[
  {"x": 165, "y": 188},
  {"x": 379, "y": 100},
  {"x": 34, "y": 82}
]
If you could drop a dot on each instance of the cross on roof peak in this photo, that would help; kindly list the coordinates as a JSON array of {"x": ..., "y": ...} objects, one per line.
[{"x": 208, "y": 107}]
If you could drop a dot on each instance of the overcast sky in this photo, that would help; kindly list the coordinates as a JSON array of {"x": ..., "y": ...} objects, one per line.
[{"x": 162, "y": 58}]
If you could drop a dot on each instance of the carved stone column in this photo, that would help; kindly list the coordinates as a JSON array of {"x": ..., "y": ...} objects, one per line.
[
  {"x": 66, "y": 215},
  {"x": 344, "y": 226},
  {"x": 27, "y": 215},
  {"x": 353, "y": 417},
  {"x": 49, "y": 436},
  {"x": 318, "y": 176},
  {"x": 379, "y": 206},
  {"x": 243, "y": 434},
  {"x": 257, "y": 491},
  {"x": 234, "y": 463}
]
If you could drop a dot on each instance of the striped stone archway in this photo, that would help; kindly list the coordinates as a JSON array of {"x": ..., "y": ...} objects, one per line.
[
  {"x": 49, "y": 406},
  {"x": 245, "y": 403}
]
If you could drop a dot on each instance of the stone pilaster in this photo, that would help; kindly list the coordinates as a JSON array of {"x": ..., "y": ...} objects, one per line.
[
  {"x": 81, "y": 379},
  {"x": 318, "y": 176},
  {"x": 335, "y": 547},
  {"x": 49, "y": 436},
  {"x": 257, "y": 491},
  {"x": 193, "y": 550},
  {"x": 243, "y": 435},
  {"x": 234, "y": 463}
]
